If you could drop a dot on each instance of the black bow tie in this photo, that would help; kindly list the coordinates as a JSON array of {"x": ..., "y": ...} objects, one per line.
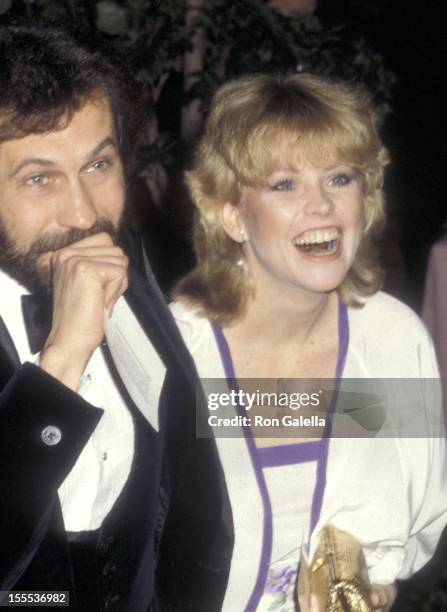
[{"x": 37, "y": 313}]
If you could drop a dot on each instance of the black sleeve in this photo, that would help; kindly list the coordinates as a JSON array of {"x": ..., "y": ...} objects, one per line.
[
  {"x": 426, "y": 590},
  {"x": 43, "y": 429}
]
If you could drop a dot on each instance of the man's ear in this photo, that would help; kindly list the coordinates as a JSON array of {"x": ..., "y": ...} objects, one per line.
[{"x": 230, "y": 218}]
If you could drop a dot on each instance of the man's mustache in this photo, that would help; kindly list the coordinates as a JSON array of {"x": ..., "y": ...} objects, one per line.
[{"x": 55, "y": 242}]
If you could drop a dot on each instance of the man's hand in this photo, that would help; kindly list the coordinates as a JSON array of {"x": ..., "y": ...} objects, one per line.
[{"x": 88, "y": 277}]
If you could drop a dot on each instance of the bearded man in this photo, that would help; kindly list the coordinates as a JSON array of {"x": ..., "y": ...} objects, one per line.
[{"x": 115, "y": 503}]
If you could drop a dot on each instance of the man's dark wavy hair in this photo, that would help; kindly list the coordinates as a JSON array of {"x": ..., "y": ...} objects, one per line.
[{"x": 47, "y": 73}]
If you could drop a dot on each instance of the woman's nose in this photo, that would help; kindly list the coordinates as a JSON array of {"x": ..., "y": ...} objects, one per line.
[{"x": 317, "y": 201}]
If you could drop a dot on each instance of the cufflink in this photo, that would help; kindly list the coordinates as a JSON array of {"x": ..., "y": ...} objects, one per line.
[{"x": 51, "y": 435}]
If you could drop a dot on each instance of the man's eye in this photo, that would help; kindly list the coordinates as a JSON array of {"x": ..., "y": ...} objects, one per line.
[
  {"x": 100, "y": 166},
  {"x": 38, "y": 180},
  {"x": 283, "y": 185},
  {"x": 341, "y": 179}
]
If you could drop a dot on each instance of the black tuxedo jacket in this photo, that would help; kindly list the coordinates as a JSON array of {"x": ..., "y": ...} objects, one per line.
[{"x": 166, "y": 545}]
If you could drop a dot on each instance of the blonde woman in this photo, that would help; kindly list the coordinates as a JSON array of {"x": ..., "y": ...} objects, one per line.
[{"x": 288, "y": 188}]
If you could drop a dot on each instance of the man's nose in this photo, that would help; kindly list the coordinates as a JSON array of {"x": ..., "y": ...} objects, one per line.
[
  {"x": 317, "y": 201},
  {"x": 77, "y": 210}
]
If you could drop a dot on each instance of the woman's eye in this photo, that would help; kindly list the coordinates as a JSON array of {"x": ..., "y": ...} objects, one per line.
[
  {"x": 341, "y": 179},
  {"x": 38, "y": 180},
  {"x": 283, "y": 185}
]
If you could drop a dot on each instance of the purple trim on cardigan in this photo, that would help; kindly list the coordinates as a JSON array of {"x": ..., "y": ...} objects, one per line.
[
  {"x": 266, "y": 550},
  {"x": 343, "y": 343},
  {"x": 288, "y": 454},
  {"x": 323, "y": 446}
]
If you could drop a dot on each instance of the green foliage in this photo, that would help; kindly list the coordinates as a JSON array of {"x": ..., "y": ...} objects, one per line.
[{"x": 259, "y": 39}]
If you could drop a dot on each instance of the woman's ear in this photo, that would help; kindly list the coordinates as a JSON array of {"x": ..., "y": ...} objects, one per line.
[{"x": 230, "y": 218}]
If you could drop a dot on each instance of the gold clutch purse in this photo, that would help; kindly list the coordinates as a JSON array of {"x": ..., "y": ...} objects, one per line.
[{"x": 338, "y": 575}]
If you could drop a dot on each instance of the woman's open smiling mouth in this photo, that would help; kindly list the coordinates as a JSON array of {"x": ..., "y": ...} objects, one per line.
[{"x": 319, "y": 243}]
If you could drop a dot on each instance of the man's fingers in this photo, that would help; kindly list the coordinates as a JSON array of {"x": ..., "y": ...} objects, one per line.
[
  {"x": 97, "y": 244},
  {"x": 79, "y": 270},
  {"x": 79, "y": 279},
  {"x": 113, "y": 291},
  {"x": 59, "y": 258},
  {"x": 85, "y": 265},
  {"x": 95, "y": 240}
]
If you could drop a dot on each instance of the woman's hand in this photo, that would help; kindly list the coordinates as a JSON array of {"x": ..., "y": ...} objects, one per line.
[
  {"x": 309, "y": 604},
  {"x": 383, "y": 596}
]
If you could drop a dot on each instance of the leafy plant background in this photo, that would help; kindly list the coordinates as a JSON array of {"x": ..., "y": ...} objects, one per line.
[{"x": 182, "y": 50}]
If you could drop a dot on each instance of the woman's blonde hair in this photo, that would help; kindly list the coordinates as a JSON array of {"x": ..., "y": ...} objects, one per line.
[{"x": 251, "y": 119}]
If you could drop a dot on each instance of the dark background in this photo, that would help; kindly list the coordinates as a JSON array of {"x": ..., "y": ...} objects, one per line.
[
  {"x": 411, "y": 37},
  {"x": 410, "y": 40}
]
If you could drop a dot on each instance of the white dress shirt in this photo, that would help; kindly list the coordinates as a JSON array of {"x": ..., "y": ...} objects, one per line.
[{"x": 103, "y": 467}]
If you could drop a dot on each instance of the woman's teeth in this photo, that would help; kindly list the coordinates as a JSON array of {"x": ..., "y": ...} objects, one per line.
[
  {"x": 318, "y": 242},
  {"x": 316, "y": 237}
]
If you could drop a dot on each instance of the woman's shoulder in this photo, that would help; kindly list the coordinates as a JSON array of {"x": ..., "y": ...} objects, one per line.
[
  {"x": 183, "y": 311},
  {"x": 188, "y": 317},
  {"x": 383, "y": 315},
  {"x": 390, "y": 339}
]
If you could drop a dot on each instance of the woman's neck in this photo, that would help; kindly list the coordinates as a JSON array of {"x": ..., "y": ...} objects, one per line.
[{"x": 281, "y": 318}]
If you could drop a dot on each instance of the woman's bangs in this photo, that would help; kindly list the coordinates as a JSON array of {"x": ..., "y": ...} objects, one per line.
[{"x": 286, "y": 149}]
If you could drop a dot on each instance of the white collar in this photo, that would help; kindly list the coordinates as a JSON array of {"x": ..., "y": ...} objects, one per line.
[{"x": 11, "y": 293}]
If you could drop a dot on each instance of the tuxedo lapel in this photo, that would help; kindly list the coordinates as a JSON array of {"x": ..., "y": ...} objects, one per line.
[
  {"x": 149, "y": 306},
  {"x": 9, "y": 358}
]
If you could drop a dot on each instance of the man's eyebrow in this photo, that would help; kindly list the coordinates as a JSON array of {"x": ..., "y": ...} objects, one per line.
[
  {"x": 31, "y": 161},
  {"x": 107, "y": 142}
]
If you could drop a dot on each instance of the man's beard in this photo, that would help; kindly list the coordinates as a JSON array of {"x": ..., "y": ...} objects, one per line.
[{"x": 24, "y": 266}]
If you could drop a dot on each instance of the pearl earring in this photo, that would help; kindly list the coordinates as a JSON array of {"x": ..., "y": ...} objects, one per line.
[{"x": 243, "y": 236}]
